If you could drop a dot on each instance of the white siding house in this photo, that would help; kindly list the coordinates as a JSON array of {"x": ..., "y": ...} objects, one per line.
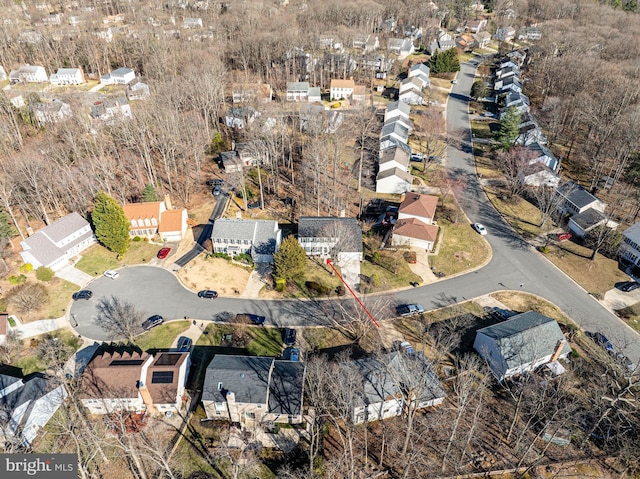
[{"x": 67, "y": 76}]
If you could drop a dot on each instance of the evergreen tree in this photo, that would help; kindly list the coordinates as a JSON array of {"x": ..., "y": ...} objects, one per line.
[
  {"x": 6, "y": 227},
  {"x": 445, "y": 62},
  {"x": 508, "y": 132},
  {"x": 149, "y": 193},
  {"x": 478, "y": 89},
  {"x": 290, "y": 259},
  {"x": 110, "y": 224}
]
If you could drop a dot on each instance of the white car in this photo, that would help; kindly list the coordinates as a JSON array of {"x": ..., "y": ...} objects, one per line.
[
  {"x": 111, "y": 274},
  {"x": 479, "y": 228},
  {"x": 454, "y": 82}
]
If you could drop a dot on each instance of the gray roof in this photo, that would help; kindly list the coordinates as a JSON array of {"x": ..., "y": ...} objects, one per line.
[
  {"x": 525, "y": 338},
  {"x": 395, "y": 142},
  {"x": 406, "y": 122},
  {"x": 399, "y": 105},
  {"x": 633, "y": 233},
  {"x": 394, "y": 127},
  {"x": 346, "y": 230},
  {"x": 285, "y": 388},
  {"x": 403, "y": 175},
  {"x": 298, "y": 86},
  {"x": 261, "y": 233},
  {"x": 394, "y": 154},
  {"x": 578, "y": 195},
  {"x": 420, "y": 67},
  {"x": 588, "y": 219},
  {"x": 42, "y": 244},
  {"x": 314, "y": 91},
  {"x": 247, "y": 377},
  {"x": 121, "y": 71},
  {"x": 230, "y": 158}
]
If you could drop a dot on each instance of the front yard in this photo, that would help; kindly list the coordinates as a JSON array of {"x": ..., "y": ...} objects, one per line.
[{"x": 97, "y": 259}]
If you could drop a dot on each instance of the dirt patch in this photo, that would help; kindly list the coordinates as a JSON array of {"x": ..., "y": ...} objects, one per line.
[{"x": 218, "y": 274}]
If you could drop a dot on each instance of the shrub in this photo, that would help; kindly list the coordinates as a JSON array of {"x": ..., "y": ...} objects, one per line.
[
  {"x": 375, "y": 259},
  {"x": 13, "y": 280},
  {"x": 137, "y": 239},
  {"x": 281, "y": 284},
  {"x": 375, "y": 280},
  {"x": 317, "y": 288},
  {"x": 341, "y": 290},
  {"x": 26, "y": 268},
  {"x": 44, "y": 274},
  {"x": 244, "y": 258},
  {"x": 221, "y": 255}
]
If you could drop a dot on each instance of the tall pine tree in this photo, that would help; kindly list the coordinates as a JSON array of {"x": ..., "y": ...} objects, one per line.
[
  {"x": 110, "y": 224},
  {"x": 509, "y": 128}
]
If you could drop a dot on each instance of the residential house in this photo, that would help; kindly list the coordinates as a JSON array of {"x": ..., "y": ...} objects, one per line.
[
  {"x": 517, "y": 100},
  {"x": 388, "y": 25},
  {"x": 251, "y": 92},
  {"x": 411, "y": 31},
  {"x": 249, "y": 390},
  {"x": 521, "y": 344},
  {"x": 444, "y": 41},
  {"x": 391, "y": 142},
  {"x": 505, "y": 34},
  {"x": 464, "y": 42},
  {"x": 120, "y": 76},
  {"x": 394, "y": 157},
  {"x": 517, "y": 56},
  {"x": 192, "y": 23},
  {"x": 341, "y": 89},
  {"x": 53, "y": 111},
  {"x": 530, "y": 33},
  {"x": 507, "y": 69},
  {"x": 481, "y": 39},
  {"x": 414, "y": 226},
  {"x": 298, "y": 91},
  {"x": 421, "y": 71},
  {"x": 394, "y": 383},
  {"x": 508, "y": 84},
  {"x": 393, "y": 180},
  {"x": 231, "y": 162},
  {"x": 240, "y": 117},
  {"x": 368, "y": 43},
  {"x": 33, "y": 37},
  {"x": 411, "y": 91},
  {"x": 55, "y": 245},
  {"x": 394, "y": 130},
  {"x": 110, "y": 110},
  {"x": 258, "y": 238},
  {"x": 316, "y": 119},
  {"x": 27, "y": 404},
  {"x": 315, "y": 95},
  {"x": 52, "y": 19},
  {"x": 329, "y": 42},
  {"x": 163, "y": 380},
  {"x": 328, "y": 236},
  {"x": 402, "y": 47},
  {"x": 247, "y": 154},
  {"x": 405, "y": 122},
  {"x": 529, "y": 132},
  {"x": 152, "y": 218},
  {"x": 630, "y": 244},
  {"x": 575, "y": 200},
  {"x": 475, "y": 26},
  {"x": 4, "y": 327},
  {"x": 397, "y": 108},
  {"x": 67, "y": 76},
  {"x": 582, "y": 223},
  {"x": 138, "y": 90},
  {"x": 541, "y": 154},
  {"x": 541, "y": 175},
  {"x": 477, "y": 6},
  {"x": 111, "y": 382},
  {"x": 28, "y": 74},
  {"x": 3, "y": 74}
]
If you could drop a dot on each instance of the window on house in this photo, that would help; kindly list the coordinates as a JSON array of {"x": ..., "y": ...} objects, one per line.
[
  {"x": 134, "y": 223},
  {"x": 154, "y": 222},
  {"x": 147, "y": 222}
]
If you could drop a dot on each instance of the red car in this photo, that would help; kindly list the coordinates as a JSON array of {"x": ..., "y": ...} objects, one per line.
[{"x": 163, "y": 253}]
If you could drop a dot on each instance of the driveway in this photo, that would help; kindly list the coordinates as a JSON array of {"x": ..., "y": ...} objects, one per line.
[{"x": 73, "y": 275}]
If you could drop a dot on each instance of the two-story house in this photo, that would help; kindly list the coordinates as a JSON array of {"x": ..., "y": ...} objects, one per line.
[
  {"x": 258, "y": 238},
  {"x": 149, "y": 219},
  {"x": 394, "y": 157},
  {"x": 28, "y": 74},
  {"x": 341, "y": 89},
  {"x": 120, "y": 76},
  {"x": 53, "y": 111},
  {"x": 55, "y": 245},
  {"x": 414, "y": 226},
  {"x": 402, "y": 47},
  {"x": 110, "y": 110},
  {"x": 630, "y": 245},
  {"x": 411, "y": 91},
  {"x": 422, "y": 72},
  {"x": 298, "y": 91},
  {"x": 329, "y": 236},
  {"x": 67, "y": 76}
]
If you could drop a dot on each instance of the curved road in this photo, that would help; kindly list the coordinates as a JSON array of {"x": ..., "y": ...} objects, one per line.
[{"x": 514, "y": 266}]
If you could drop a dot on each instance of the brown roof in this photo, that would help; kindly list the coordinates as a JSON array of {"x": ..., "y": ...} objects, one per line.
[
  {"x": 171, "y": 221},
  {"x": 113, "y": 375},
  {"x": 4, "y": 318},
  {"x": 162, "y": 376},
  {"x": 336, "y": 83},
  {"x": 359, "y": 90},
  {"x": 137, "y": 211},
  {"x": 419, "y": 205},
  {"x": 414, "y": 228}
]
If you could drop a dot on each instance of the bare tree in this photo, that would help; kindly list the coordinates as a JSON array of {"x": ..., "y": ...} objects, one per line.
[
  {"x": 119, "y": 318},
  {"x": 29, "y": 297}
]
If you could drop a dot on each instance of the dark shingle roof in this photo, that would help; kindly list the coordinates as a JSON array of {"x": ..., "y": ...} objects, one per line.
[
  {"x": 285, "y": 388},
  {"x": 577, "y": 194},
  {"x": 588, "y": 219},
  {"x": 247, "y": 377},
  {"x": 346, "y": 230}
]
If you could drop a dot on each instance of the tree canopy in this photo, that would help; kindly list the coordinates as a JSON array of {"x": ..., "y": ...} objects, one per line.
[
  {"x": 446, "y": 61},
  {"x": 110, "y": 224},
  {"x": 290, "y": 259},
  {"x": 508, "y": 132},
  {"x": 478, "y": 89}
]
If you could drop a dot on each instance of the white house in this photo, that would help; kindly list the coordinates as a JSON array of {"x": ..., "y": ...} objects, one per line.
[
  {"x": 110, "y": 110},
  {"x": 341, "y": 89},
  {"x": 505, "y": 34},
  {"x": 403, "y": 47},
  {"x": 67, "y": 76},
  {"x": 402, "y": 121},
  {"x": 28, "y": 74},
  {"x": 298, "y": 91},
  {"x": 53, "y": 111},
  {"x": 240, "y": 117},
  {"x": 138, "y": 90},
  {"x": 521, "y": 344},
  {"x": 575, "y": 200},
  {"x": 396, "y": 130},
  {"x": 152, "y": 218},
  {"x": 397, "y": 108},
  {"x": 630, "y": 245},
  {"x": 55, "y": 245},
  {"x": 541, "y": 154},
  {"x": 258, "y": 238},
  {"x": 329, "y": 236},
  {"x": 394, "y": 157},
  {"x": 121, "y": 76},
  {"x": 192, "y": 23},
  {"x": 393, "y": 180},
  {"x": 411, "y": 94},
  {"x": 421, "y": 71},
  {"x": 582, "y": 223}
]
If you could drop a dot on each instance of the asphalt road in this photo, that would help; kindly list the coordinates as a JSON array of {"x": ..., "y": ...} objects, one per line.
[{"x": 514, "y": 266}]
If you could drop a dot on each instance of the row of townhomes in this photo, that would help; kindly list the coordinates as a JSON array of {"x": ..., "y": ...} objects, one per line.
[
  {"x": 395, "y": 153},
  {"x": 67, "y": 76}
]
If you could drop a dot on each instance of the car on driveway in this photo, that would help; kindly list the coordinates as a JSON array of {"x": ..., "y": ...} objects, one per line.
[
  {"x": 152, "y": 321},
  {"x": 207, "y": 294},
  {"x": 82, "y": 294},
  {"x": 601, "y": 340},
  {"x": 480, "y": 229},
  {"x": 217, "y": 190},
  {"x": 215, "y": 182},
  {"x": 407, "y": 347},
  {"x": 289, "y": 336},
  {"x": 405, "y": 310},
  {"x": 629, "y": 286},
  {"x": 111, "y": 274},
  {"x": 294, "y": 355},
  {"x": 163, "y": 253},
  {"x": 184, "y": 344},
  {"x": 254, "y": 205}
]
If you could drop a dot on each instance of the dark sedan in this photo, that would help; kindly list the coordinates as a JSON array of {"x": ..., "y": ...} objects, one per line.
[
  {"x": 152, "y": 321},
  {"x": 207, "y": 294}
]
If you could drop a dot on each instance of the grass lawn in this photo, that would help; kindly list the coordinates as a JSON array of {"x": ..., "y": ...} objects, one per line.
[
  {"x": 631, "y": 315},
  {"x": 97, "y": 259},
  {"x": 324, "y": 338},
  {"x": 162, "y": 336},
  {"x": 319, "y": 273},
  {"x": 520, "y": 214},
  {"x": 255, "y": 340},
  {"x": 481, "y": 129},
  {"x": 60, "y": 292},
  {"x": 524, "y": 302},
  {"x": 27, "y": 359},
  {"x": 461, "y": 248},
  {"x": 388, "y": 279}
]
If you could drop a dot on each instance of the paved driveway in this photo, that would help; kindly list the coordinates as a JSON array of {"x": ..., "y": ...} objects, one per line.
[{"x": 74, "y": 275}]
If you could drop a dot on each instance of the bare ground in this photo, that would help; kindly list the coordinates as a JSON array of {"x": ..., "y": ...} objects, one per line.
[{"x": 218, "y": 274}]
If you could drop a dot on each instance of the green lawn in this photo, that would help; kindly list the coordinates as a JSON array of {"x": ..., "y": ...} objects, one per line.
[
  {"x": 97, "y": 259},
  {"x": 255, "y": 340},
  {"x": 324, "y": 338},
  {"x": 319, "y": 273},
  {"x": 395, "y": 274},
  {"x": 28, "y": 361},
  {"x": 162, "y": 336},
  {"x": 60, "y": 292}
]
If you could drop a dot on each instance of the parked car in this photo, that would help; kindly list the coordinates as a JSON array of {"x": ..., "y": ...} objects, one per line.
[
  {"x": 629, "y": 286},
  {"x": 289, "y": 336},
  {"x": 207, "y": 294},
  {"x": 407, "y": 347},
  {"x": 257, "y": 320},
  {"x": 454, "y": 82},
  {"x": 409, "y": 309},
  {"x": 217, "y": 190},
  {"x": 111, "y": 274},
  {"x": 479, "y": 228},
  {"x": 163, "y": 253},
  {"x": 82, "y": 294},
  {"x": 184, "y": 344},
  {"x": 152, "y": 321},
  {"x": 564, "y": 236},
  {"x": 624, "y": 361},
  {"x": 215, "y": 182},
  {"x": 254, "y": 205},
  {"x": 294, "y": 355},
  {"x": 601, "y": 340}
]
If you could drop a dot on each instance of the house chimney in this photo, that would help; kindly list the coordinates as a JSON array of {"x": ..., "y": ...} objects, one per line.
[
  {"x": 167, "y": 202},
  {"x": 558, "y": 350}
]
